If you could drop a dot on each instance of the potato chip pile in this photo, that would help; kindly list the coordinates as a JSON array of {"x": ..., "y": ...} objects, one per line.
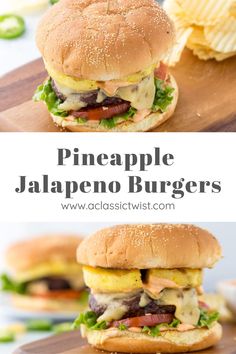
[{"x": 207, "y": 27}]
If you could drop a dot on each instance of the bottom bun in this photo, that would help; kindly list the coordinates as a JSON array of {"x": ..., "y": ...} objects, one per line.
[
  {"x": 150, "y": 122},
  {"x": 39, "y": 304},
  {"x": 171, "y": 341}
]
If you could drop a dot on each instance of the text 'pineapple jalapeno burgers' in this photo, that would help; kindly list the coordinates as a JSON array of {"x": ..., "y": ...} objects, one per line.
[
  {"x": 103, "y": 58},
  {"x": 145, "y": 281},
  {"x": 45, "y": 275}
]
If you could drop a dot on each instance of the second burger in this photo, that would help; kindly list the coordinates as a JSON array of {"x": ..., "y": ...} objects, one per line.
[
  {"x": 145, "y": 281},
  {"x": 44, "y": 276}
]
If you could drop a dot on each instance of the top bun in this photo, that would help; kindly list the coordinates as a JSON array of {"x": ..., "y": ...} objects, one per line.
[
  {"x": 29, "y": 253},
  {"x": 104, "y": 39},
  {"x": 150, "y": 246}
]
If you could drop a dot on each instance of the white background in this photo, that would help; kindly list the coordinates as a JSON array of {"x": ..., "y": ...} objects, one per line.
[
  {"x": 205, "y": 157},
  {"x": 14, "y": 53}
]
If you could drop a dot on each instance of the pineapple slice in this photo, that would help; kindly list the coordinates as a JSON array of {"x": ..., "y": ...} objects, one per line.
[
  {"x": 182, "y": 276},
  {"x": 112, "y": 280}
]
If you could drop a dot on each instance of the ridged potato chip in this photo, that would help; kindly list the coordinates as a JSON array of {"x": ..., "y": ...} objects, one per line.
[
  {"x": 207, "y": 27},
  {"x": 232, "y": 10},
  {"x": 175, "y": 12},
  {"x": 198, "y": 37},
  {"x": 222, "y": 36},
  {"x": 182, "y": 36},
  {"x": 205, "y": 12},
  {"x": 172, "y": 8},
  {"x": 205, "y": 53}
]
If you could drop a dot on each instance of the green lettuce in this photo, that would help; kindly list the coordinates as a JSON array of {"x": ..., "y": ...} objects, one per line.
[
  {"x": 163, "y": 96},
  {"x": 46, "y": 94},
  {"x": 89, "y": 319},
  {"x": 155, "y": 330},
  {"x": 112, "y": 122},
  {"x": 10, "y": 285},
  {"x": 207, "y": 318}
]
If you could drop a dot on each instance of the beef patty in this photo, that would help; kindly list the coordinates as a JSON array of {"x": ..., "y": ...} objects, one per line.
[
  {"x": 134, "y": 309},
  {"x": 89, "y": 97}
]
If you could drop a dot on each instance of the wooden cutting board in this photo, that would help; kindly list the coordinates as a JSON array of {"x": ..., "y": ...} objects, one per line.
[
  {"x": 72, "y": 343},
  {"x": 207, "y": 99}
]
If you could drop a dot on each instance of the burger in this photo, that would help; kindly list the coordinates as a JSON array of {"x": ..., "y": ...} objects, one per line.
[
  {"x": 104, "y": 63},
  {"x": 144, "y": 285},
  {"x": 45, "y": 275}
]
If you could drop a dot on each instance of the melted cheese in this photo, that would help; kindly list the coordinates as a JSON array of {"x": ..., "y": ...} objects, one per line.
[
  {"x": 141, "y": 96},
  {"x": 186, "y": 302},
  {"x": 144, "y": 300},
  {"x": 73, "y": 102},
  {"x": 37, "y": 288},
  {"x": 115, "y": 307}
]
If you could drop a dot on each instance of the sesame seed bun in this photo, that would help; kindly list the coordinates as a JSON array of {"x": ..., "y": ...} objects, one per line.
[
  {"x": 104, "y": 39},
  {"x": 27, "y": 254},
  {"x": 150, "y": 246},
  {"x": 115, "y": 340},
  {"x": 152, "y": 121}
]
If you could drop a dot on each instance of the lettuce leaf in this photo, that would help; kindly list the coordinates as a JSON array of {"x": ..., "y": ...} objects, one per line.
[
  {"x": 10, "y": 285},
  {"x": 89, "y": 319},
  {"x": 46, "y": 94},
  {"x": 155, "y": 330},
  {"x": 163, "y": 96},
  {"x": 207, "y": 318},
  {"x": 112, "y": 122},
  {"x": 152, "y": 331}
]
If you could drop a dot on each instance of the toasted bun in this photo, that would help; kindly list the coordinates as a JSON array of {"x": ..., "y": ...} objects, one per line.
[
  {"x": 148, "y": 123},
  {"x": 31, "y": 303},
  {"x": 29, "y": 253},
  {"x": 150, "y": 246},
  {"x": 104, "y": 39},
  {"x": 115, "y": 340}
]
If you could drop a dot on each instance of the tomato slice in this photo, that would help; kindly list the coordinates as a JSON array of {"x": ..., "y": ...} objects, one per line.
[
  {"x": 102, "y": 112},
  {"x": 141, "y": 321},
  {"x": 203, "y": 305},
  {"x": 161, "y": 72},
  {"x": 11, "y": 26},
  {"x": 61, "y": 294}
]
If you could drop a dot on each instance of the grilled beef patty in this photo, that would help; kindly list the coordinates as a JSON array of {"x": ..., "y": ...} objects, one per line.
[
  {"x": 54, "y": 283},
  {"x": 90, "y": 98},
  {"x": 134, "y": 309}
]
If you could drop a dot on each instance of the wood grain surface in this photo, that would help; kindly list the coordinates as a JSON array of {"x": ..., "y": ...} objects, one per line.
[
  {"x": 72, "y": 343},
  {"x": 207, "y": 99}
]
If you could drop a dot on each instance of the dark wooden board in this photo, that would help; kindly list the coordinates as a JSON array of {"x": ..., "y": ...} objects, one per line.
[
  {"x": 72, "y": 343},
  {"x": 207, "y": 98}
]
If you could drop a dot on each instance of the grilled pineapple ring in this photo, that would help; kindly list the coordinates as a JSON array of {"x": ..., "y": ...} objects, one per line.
[
  {"x": 113, "y": 280},
  {"x": 79, "y": 85}
]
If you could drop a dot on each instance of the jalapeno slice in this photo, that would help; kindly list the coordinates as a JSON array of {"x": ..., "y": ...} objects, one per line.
[{"x": 11, "y": 26}]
